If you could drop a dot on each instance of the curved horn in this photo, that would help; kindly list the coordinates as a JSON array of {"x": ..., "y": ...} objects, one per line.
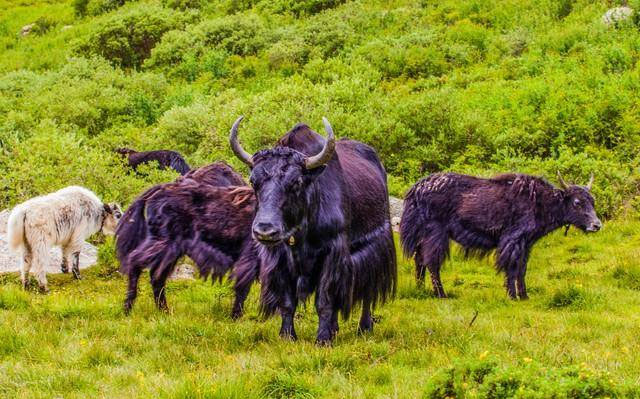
[
  {"x": 563, "y": 184},
  {"x": 590, "y": 183},
  {"x": 235, "y": 145},
  {"x": 327, "y": 151}
]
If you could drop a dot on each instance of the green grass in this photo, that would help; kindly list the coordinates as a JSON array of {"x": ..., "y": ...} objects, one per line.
[{"x": 578, "y": 333}]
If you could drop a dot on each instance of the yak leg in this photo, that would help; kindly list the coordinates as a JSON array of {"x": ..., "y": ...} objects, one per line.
[
  {"x": 241, "y": 293},
  {"x": 328, "y": 321},
  {"x": 366, "y": 321},
  {"x": 511, "y": 258},
  {"x": 132, "y": 289},
  {"x": 522, "y": 287},
  {"x": 287, "y": 311},
  {"x": 431, "y": 253},
  {"x": 158, "y": 283},
  {"x": 40, "y": 253},
  {"x": 27, "y": 257}
]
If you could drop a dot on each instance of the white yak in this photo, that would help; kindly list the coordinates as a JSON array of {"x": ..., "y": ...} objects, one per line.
[{"x": 64, "y": 218}]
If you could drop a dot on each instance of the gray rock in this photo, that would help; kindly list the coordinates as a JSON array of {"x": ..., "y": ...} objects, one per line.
[
  {"x": 616, "y": 15},
  {"x": 26, "y": 29},
  {"x": 396, "y": 205}
]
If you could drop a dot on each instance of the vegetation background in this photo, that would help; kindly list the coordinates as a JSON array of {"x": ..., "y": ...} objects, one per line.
[{"x": 471, "y": 86}]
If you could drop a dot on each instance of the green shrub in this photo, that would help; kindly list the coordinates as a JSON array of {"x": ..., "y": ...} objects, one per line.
[
  {"x": 487, "y": 380},
  {"x": 182, "y": 4},
  {"x": 126, "y": 39},
  {"x": 184, "y": 128},
  {"x": 43, "y": 25},
  {"x": 570, "y": 296},
  {"x": 301, "y": 7},
  {"x": 286, "y": 387}
]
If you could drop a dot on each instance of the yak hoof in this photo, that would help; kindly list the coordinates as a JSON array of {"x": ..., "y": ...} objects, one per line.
[
  {"x": 64, "y": 269},
  {"x": 76, "y": 275},
  {"x": 365, "y": 328},
  {"x": 44, "y": 289},
  {"x": 323, "y": 342},
  {"x": 288, "y": 335},
  {"x": 236, "y": 314}
]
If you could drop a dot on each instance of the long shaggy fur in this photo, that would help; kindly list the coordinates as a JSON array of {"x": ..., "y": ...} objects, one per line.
[
  {"x": 342, "y": 248},
  {"x": 507, "y": 213},
  {"x": 210, "y": 224},
  {"x": 64, "y": 218},
  {"x": 165, "y": 159}
]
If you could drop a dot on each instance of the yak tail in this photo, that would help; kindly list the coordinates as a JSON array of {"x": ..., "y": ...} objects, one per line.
[
  {"x": 15, "y": 229},
  {"x": 179, "y": 165},
  {"x": 412, "y": 223}
]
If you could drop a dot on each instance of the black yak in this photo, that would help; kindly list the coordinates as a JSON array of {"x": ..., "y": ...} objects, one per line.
[
  {"x": 508, "y": 213},
  {"x": 328, "y": 201},
  {"x": 165, "y": 159},
  {"x": 199, "y": 215}
]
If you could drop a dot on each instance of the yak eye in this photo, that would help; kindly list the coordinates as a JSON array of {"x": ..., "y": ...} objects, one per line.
[{"x": 576, "y": 202}]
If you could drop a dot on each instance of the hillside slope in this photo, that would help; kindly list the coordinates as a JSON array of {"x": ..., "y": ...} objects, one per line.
[{"x": 473, "y": 86}]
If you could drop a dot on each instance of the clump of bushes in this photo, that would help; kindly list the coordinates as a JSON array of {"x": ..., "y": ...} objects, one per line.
[
  {"x": 484, "y": 379},
  {"x": 95, "y": 7},
  {"x": 126, "y": 39}
]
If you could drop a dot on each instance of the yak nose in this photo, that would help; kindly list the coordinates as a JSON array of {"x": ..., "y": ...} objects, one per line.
[
  {"x": 595, "y": 226},
  {"x": 265, "y": 231}
]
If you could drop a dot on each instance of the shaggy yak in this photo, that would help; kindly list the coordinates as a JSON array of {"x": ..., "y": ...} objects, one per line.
[
  {"x": 165, "y": 159},
  {"x": 205, "y": 215},
  {"x": 65, "y": 218},
  {"x": 328, "y": 201},
  {"x": 508, "y": 213}
]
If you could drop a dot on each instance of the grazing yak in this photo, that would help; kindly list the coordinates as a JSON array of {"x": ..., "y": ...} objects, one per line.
[
  {"x": 165, "y": 159},
  {"x": 327, "y": 202},
  {"x": 508, "y": 213},
  {"x": 205, "y": 215},
  {"x": 65, "y": 218}
]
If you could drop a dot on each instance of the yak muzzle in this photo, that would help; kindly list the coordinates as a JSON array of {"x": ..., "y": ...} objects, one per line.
[
  {"x": 594, "y": 226},
  {"x": 267, "y": 233}
]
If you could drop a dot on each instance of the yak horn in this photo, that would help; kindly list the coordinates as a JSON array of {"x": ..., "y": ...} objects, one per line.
[
  {"x": 235, "y": 145},
  {"x": 327, "y": 151},
  {"x": 590, "y": 183},
  {"x": 563, "y": 184}
]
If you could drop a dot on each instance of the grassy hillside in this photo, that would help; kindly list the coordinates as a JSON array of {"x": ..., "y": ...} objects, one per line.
[{"x": 471, "y": 86}]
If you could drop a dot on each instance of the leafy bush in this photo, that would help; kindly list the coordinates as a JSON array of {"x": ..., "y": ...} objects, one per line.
[
  {"x": 126, "y": 39},
  {"x": 484, "y": 379}
]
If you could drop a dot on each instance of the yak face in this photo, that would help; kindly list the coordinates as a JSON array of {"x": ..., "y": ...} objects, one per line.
[
  {"x": 280, "y": 180},
  {"x": 579, "y": 209},
  {"x": 111, "y": 215}
]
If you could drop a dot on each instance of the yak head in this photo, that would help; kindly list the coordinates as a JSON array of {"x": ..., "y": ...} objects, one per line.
[
  {"x": 111, "y": 214},
  {"x": 579, "y": 206},
  {"x": 281, "y": 178}
]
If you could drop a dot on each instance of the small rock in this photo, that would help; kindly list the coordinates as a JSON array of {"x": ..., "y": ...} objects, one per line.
[
  {"x": 396, "y": 205},
  {"x": 183, "y": 272},
  {"x": 26, "y": 29},
  {"x": 616, "y": 15},
  {"x": 66, "y": 27}
]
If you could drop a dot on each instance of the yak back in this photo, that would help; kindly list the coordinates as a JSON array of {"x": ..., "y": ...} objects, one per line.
[
  {"x": 489, "y": 205},
  {"x": 215, "y": 174},
  {"x": 165, "y": 158},
  {"x": 219, "y": 216}
]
